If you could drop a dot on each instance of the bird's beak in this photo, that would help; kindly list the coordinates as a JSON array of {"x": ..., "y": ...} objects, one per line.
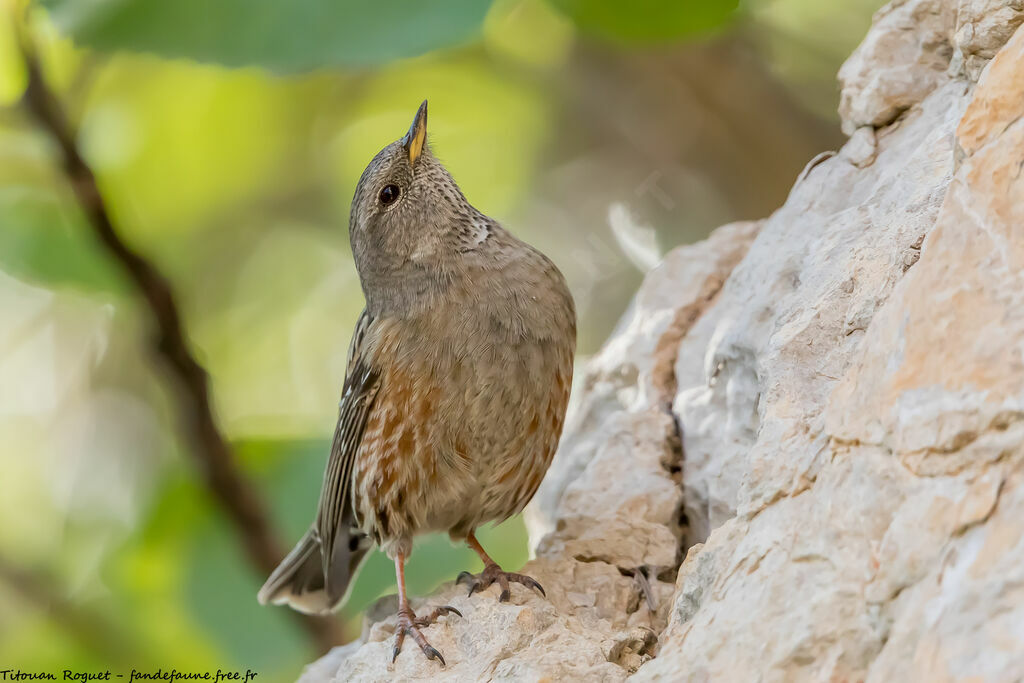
[{"x": 417, "y": 135}]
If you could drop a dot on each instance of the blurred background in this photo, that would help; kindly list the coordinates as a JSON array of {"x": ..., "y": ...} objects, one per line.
[{"x": 226, "y": 138}]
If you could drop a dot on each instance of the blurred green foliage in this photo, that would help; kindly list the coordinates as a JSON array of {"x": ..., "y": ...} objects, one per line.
[
  {"x": 306, "y": 34},
  {"x": 645, "y": 21},
  {"x": 295, "y": 35},
  {"x": 227, "y": 137},
  {"x": 43, "y": 241}
]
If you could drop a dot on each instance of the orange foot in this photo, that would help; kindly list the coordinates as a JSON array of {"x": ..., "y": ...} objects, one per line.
[
  {"x": 410, "y": 624},
  {"x": 492, "y": 573}
]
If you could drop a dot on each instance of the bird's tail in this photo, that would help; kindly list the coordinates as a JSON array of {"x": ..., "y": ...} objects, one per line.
[{"x": 299, "y": 580}]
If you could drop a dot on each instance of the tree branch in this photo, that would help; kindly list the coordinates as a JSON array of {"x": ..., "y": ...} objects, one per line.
[{"x": 210, "y": 449}]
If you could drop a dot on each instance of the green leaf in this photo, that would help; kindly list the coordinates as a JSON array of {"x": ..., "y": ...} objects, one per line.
[
  {"x": 45, "y": 242},
  {"x": 287, "y": 36},
  {"x": 647, "y": 21}
]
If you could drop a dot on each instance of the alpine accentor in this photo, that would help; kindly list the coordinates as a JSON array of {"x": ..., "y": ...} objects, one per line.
[{"x": 458, "y": 378}]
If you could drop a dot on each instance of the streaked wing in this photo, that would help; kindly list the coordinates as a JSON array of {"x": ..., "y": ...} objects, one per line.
[{"x": 357, "y": 397}]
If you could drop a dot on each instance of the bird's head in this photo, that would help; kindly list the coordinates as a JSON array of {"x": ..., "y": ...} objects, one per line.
[{"x": 408, "y": 217}]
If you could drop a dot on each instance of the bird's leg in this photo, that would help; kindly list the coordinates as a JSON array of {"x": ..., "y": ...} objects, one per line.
[
  {"x": 409, "y": 623},
  {"x": 492, "y": 573}
]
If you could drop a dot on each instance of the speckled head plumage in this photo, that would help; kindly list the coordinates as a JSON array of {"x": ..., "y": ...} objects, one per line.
[{"x": 409, "y": 220}]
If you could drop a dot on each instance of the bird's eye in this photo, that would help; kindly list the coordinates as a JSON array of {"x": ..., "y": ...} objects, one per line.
[{"x": 389, "y": 193}]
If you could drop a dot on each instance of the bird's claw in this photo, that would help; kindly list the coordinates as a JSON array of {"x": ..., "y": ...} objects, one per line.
[
  {"x": 433, "y": 616},
  {"x": 431, "y": 652},
  {"x": 410, "y": 624},
  {"x": 492, "y": 573}
]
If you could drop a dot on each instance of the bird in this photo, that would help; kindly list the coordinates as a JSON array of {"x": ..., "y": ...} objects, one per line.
[{"x": 457, "y": 382}]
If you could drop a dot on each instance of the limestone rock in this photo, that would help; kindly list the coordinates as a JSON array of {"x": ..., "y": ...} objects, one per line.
[
  {"x": 634, "y": 373},
  {"x": 982, "y": 27},
  {"x": 821, "y": 415},
  {"x": 915, "y": 46},
  {"x": 866, "y": 521},
  {"x": 903, "y": 58}
]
